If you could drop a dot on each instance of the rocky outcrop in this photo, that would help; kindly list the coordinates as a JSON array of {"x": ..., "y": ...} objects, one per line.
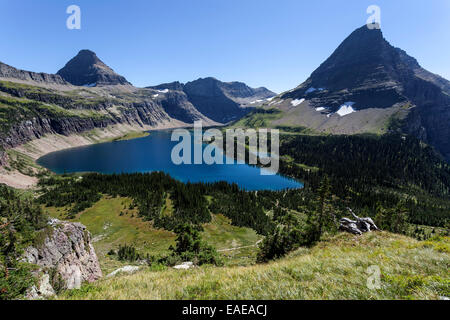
[
  {"x": 86, "y": 69},
  {"x": 67, "y": 248}
]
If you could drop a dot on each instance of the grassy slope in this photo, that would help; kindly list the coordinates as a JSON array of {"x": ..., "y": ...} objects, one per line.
[
  {"x": 305, "y": 119},
  {"x": 334, "y": 269},
  {"x": 132, "y": 135},
  {"x": 110, "y": 229}
]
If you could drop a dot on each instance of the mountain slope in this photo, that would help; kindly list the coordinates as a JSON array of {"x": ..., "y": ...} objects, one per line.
[
  {"x": 367, "y": 85},
  {"x": 86, "y": 69},
  {"x": 219, "y": 101}
]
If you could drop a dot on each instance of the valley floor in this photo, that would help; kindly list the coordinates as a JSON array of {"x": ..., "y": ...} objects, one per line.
[{"x": 342, "y": 267}]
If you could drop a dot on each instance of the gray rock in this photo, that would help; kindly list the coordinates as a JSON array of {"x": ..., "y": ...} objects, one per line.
[
  {"x": 68, "y": 248},
  {"x": 44, "y": 290},
  {"x": 184, "y": 265},
  {"x": 126, "y": 269}
]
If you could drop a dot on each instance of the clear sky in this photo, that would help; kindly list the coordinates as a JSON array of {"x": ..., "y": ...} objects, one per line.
[{"x": 272, "y": 43}]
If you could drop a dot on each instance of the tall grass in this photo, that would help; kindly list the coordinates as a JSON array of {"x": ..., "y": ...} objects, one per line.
[{"x": 334, "y": 269}]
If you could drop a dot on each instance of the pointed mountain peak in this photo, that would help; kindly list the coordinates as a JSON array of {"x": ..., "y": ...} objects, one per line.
[{"x": 86, "y": 69}]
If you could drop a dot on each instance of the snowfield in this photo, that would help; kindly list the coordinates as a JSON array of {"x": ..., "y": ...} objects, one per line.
[
  {"x": 296, "y": 102},
  {"x": 346, "y": 109}
]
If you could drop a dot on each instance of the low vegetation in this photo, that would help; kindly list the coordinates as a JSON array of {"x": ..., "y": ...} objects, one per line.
[
  {"x": 20, "y": 222},
  {"x": 336, "y": 268}
]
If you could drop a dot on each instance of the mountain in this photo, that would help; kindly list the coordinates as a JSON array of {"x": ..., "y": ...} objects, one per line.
[
  {"x": 367, "y": 85},
  {"x": 219, "y": 101},
  {"x": 86, "y": 69}
]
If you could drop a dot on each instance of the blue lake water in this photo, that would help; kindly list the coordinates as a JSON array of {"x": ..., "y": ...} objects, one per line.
[{"x": 153, "y": 153}]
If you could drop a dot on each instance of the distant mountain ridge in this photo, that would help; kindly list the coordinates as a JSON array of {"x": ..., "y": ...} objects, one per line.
[
  {"x": 219, "y": 101},
  {"x": 9, "y": 72}
]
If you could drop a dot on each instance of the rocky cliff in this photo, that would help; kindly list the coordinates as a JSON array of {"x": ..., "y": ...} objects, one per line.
[
  {"x": 217, "y": 100},
  {"x": 65, "y": 247}
]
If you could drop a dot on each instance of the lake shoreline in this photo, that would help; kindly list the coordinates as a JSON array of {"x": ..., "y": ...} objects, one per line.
[
  {"x": 35, "y": 149},
  {"x": 155, "y": 153}
]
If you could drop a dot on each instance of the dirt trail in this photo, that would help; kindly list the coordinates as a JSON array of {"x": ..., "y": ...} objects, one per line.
[{"x": 237, "y": 248}]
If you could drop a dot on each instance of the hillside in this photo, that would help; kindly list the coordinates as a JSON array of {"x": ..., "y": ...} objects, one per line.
[
  {"x": 333, "y": 269},
  {"x": 112, "y": 223},
  {"x": 366, "y": 86}
]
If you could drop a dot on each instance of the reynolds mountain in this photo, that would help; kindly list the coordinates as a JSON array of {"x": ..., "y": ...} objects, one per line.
[
  {"x": 86, "y": 69},
  {"x": 219, "y": 101},
  {"x": 367, "y": 85}
]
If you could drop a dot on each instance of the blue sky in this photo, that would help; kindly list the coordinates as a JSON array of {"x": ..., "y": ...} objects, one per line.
[{"x": 272, "y": 43}]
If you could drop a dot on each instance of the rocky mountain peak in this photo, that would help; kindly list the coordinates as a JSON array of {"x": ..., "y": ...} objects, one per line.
[
  {"x": 86, "y": 69},
  {"x": 366, "y": 73}
]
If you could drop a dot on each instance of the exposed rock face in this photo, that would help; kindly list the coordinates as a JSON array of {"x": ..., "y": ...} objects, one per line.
[
  {"x": 217, "y": 100},
  {"x": 3, "y": 158},
  {"x": 367, "y": 71},
  {"x": 9, "y": 72},
  {"x": 68, "y": 248},
  {"x": 177, "y": 106},
  {"x": 43, "y": 290},
  {"x": 86, "y": 69}
]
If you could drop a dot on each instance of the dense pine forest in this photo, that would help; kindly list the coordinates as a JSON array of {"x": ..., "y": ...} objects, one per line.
[
  {"x": 21, "y": 222},
  {"x": 370, "y": 172}
]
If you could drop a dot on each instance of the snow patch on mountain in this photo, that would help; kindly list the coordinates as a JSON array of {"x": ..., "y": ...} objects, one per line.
[
  {"x": 346, "y": 109},
  {"x": 296, "y": 102}
]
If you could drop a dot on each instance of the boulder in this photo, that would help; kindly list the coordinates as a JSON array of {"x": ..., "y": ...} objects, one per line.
[
  {"x": 184, "y": 265},
  {"x": 126, "y": 269}
]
